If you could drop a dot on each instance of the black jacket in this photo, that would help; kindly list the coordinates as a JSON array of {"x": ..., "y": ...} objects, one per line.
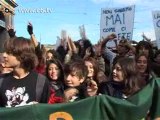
[{"x": 112, "y": 88}]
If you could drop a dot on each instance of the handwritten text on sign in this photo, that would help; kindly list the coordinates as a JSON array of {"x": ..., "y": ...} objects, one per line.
[
  {"x": 156, "y": 22},
  {"x": 119, "y": 21}
]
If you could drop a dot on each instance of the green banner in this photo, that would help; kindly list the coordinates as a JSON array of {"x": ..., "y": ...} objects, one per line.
[{"x": 100, "y": 107}]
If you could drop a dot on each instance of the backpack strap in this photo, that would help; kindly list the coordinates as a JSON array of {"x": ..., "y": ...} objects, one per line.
[
  {"x": 2, "y": 78},
  {"x": 39, "y": 86},
  {"x": 1, "y": 81}
]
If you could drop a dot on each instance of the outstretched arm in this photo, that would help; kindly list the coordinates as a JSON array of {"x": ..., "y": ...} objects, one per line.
[
  {"x": 105, "y": 40},
  {"x": 30, "y": 31}
]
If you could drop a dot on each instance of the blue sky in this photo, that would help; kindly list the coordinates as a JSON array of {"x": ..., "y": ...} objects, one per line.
[{"x": 70, "y": 14}]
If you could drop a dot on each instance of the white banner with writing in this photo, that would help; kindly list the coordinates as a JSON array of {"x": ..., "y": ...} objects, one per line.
[
  {"x": 156, "y": 22},
  {"x": 118, "y": 20}
]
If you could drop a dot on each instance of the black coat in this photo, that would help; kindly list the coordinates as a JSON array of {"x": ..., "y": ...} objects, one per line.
[{"x": 112, "y": 88}]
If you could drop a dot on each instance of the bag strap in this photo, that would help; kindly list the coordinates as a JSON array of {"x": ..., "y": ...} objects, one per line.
[
  {"x": 1, "y": 81},
  {"x": 2, "y": 78},
  {"x": 39, "y": 86}
]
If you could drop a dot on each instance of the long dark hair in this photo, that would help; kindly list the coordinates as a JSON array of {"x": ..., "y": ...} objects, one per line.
[
  {"x": 59, "y": 65},
  {"x": 130, "y": 73}
]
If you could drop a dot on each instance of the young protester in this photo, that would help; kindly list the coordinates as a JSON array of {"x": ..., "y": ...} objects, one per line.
[
  {"x": 23, "y": 85},
  {"x": 94, "y": 72},
  {"x": 146, "y": 48},
  {"x": 51, "y": 54},
  {"x": 123, "y": 80},
  {"x": 123, "y": 48},
  {"x": 144, "y": 69},
  {"x": 55, "y": 75},
  {"x": 75, "y": 81}
]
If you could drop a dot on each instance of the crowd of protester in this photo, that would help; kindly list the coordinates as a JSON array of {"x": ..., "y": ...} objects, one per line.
[{"x": 74, "y": 70}]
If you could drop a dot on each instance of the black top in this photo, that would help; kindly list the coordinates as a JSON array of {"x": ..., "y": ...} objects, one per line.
[
  {"x": 112, "y": 88},
  {"x": 18, "y": 92},
  {"x": 81, "y": 91}
]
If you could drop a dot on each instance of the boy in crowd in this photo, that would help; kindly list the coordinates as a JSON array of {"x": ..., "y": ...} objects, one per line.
[
  {"x": 22, "y": 86},
  {"x": 75, "y": 80}
]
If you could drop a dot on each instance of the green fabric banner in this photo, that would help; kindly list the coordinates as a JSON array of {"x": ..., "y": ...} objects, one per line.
[{"x": 100, "y": 107}]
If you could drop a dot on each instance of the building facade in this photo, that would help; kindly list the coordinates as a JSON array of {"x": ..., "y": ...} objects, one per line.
[{"x": 6, "y": 18}]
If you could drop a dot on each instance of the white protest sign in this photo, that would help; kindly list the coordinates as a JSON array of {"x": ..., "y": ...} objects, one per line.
[
  {"x": 118, "y": 20},
  {"x": 156, "y": 22}
]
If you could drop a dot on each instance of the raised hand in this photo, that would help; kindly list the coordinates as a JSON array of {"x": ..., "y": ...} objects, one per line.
[
  {"x": 112, "y": 36},
  {"x": 70, "y": 94},
  {"x": 109, "y": 37},
  {"x": 98, "y": 49},
  {"x": 30, "y": 28},
  {"x": 92, "y": 88},
  {"x": 11, "y": 31}
]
